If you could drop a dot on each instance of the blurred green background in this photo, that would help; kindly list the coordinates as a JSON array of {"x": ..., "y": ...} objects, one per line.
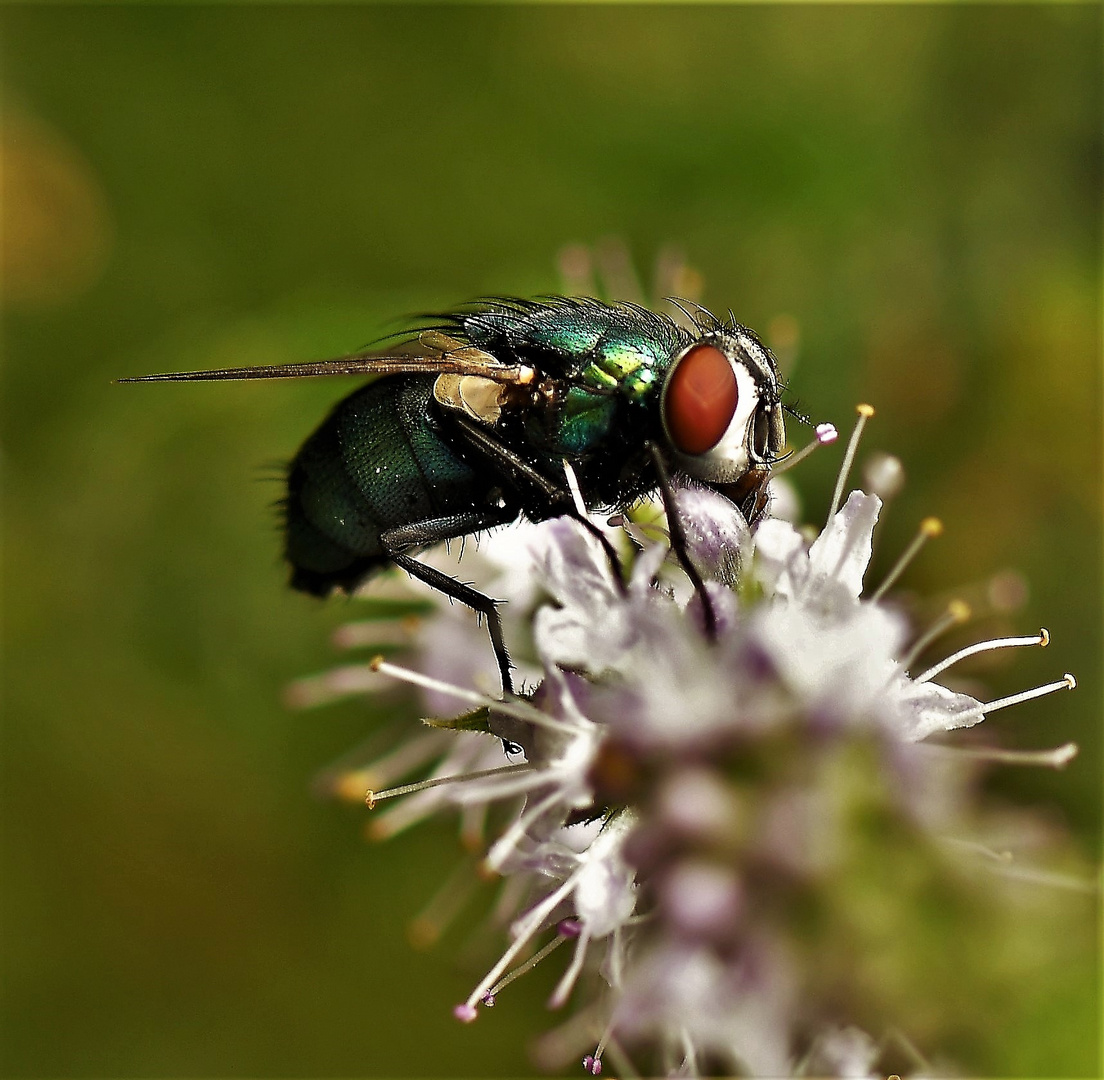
[{"x": 919, "y": 188}]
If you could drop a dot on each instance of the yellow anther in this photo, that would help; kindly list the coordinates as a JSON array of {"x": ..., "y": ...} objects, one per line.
[
  {"x": 931, "y": 526},
  {"x": 422, "y": 933},
  {"x": 1044, "y": 636},
  {"x": 376, "y": 663},
  {"x": 370, "y": 800},
  {"x": 349, "y": 787},
  {"x": 959, "y": 610},
  {"x": 865, "y": 411},
  {"x": 1070, "y": 681}
]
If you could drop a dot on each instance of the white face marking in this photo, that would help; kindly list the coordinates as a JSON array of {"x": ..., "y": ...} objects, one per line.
[{"x": 728, "y": 460}]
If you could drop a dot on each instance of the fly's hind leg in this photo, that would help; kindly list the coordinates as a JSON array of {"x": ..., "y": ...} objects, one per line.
[
  {"x": 395, "y": 542},
  {"x": 470, "y": 597}
]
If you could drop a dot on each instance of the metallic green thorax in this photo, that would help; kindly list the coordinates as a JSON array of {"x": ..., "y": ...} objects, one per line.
[
  {"x": 607, "y": 362},
  {"x": 622, "y": 349}
]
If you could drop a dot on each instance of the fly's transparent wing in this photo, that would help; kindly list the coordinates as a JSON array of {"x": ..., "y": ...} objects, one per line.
[{"x": 432, "y": 353}]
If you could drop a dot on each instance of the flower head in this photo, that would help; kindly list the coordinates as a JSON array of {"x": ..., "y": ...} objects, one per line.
[{"x": 732, "y": 819}]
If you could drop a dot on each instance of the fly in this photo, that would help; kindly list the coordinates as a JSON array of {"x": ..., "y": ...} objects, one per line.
[{"x": 469, "y": 422}]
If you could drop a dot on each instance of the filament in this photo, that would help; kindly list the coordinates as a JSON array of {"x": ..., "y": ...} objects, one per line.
[
  {"x": 567, "y": 982},
  {"x": 373, "y": 797},
  {"x": 865, "y": 413},
  {"x": 825, "y": 434},
  {"x": 355, "y": 635},
  {"x": 1048, "y": 877},
  {"x": 473, "y": 821},
  {"x": 1067, "y": 682},
  {"x": 314, "y": 690},
  {"x": 958, "y": 611},
  {"x": 509, "y": 839},
  {"x": 425, "y": 928},
  {"x": 525, "y": 931},
  {"x": 400, "y": 761},
  {"x": 1042, "y": 638},
  {"x": 520, "y": 709},
  {"x": 1057, "y": 758},
  {"x": 930, "y": 527},
  {"x": 621, "y": 1060},
  {"x": 521, "y": 969},
  {"x": 975, "y": 848},
  {"x": 573, "y": 487}
]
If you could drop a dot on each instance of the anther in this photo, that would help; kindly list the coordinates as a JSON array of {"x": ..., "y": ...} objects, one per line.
[
  {"x": 865, "y": 413},
  {"x": 883, "y": 475},
  {"x": 930, "y": 527},
  {"x": 465, "y": 1013},
  {"x": 1042, "y": 638}
]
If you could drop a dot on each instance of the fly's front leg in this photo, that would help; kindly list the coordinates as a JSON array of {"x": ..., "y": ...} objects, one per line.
[{"x": 678, "y": 541}]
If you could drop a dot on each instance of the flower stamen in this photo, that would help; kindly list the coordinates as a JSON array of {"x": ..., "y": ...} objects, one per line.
[
  {"x": 958, "y": 611},
  {"x": 930, "y": 527},
  {"x": 823, "y": 435},
  {"x": 570, "y": 976},
  {"x": 1057, "y": 758},
  {"x": 593, "y": 1062},
  {"x": 349, "y": 784},
  {"x": 373, "y": 797},
  {"x": 506, "y": 843},
  {"x": 865, "y": 413},
  {"x": 1042, "y": 638},
  {"x": 526, "y": 928},
  {"x": 521, "y": 969},
  {"x": 425, "y": 929},
  {"x": 1067, "y": 682},
  {"x": 520, "y": 710},
  {"x": 358, "y": 635},
  {"x": 974, "y": 848},
  {"x": 573, "y": 487}
]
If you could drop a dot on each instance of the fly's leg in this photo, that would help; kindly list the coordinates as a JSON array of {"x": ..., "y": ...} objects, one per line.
[
  {"x": 678, "y": 541},
  {"x": 397, "y": 541},
  {"x": 473, "y": 598},
  {"x": 520, "y": 473}
]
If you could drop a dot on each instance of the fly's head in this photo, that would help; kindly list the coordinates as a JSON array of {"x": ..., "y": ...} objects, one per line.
[{"x": 722, "y": 414}]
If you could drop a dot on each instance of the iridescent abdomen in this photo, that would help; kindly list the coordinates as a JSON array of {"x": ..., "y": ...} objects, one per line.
[{"x": 376, "y": 463}]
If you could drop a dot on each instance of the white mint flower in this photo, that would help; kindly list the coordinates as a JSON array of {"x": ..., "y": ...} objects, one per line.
[{"x": 734, "y": 799}]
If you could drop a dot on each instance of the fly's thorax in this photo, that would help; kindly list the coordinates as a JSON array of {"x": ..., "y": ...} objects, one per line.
[
  {"x": 720, "y": 407},
  {"x": 631, "y": 368}
]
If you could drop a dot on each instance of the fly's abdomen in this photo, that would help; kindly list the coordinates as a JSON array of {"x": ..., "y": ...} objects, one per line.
[{"x": 375, "y": 464}]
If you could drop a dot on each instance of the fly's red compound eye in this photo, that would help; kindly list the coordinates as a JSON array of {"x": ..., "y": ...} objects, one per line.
[{"x": 700, "y": 400}]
